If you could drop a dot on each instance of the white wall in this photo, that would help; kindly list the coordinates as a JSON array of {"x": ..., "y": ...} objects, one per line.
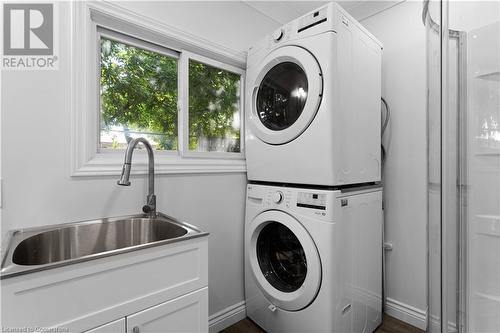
[
  {"x": 233, "y": 24},
  {"x": 38, "y": 189},
  {"x": 401, "y": 31}
]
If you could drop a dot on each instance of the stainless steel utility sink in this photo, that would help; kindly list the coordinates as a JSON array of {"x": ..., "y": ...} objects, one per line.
[{"x": 35, "y": 249}]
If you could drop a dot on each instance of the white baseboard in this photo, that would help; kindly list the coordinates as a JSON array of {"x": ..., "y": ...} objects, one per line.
[
  {"x": 407, "y": 313},
  {"x": 236, "y": 312},
  {"x": 227, "y": 317}
]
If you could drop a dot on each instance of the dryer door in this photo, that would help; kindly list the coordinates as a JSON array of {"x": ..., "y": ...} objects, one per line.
[
  {"x": 284, "y": 260},
  {"x": 286, "y": 95}
]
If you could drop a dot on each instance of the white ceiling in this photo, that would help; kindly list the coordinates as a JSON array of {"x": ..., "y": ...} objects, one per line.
[
  {"x": 285, "y": 11},
  {"x": 238, "y": 24}
]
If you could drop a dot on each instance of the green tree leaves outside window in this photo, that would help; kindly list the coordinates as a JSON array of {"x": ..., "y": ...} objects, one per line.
[
  {"x": 139, "y": 94},
  {"x": 214, "y": 108}
]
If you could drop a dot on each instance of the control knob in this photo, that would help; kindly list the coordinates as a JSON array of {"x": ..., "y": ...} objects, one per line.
[
  {"x": 277, "y": 197},
  {"x": 278, "y": 34}
]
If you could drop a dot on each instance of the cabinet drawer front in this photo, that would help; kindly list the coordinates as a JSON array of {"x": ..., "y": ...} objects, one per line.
[
  {"x": 116, "y": 326},
  {"x": 188, "y": 313}
]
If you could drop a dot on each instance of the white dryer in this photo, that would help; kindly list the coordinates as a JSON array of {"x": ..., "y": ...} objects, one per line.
[
  {"x": 313, "y": 259},
  {"x": 312, "y": 102}
]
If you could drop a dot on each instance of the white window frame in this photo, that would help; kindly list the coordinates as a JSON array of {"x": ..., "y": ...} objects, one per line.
[{"x": 93, "y": 19}]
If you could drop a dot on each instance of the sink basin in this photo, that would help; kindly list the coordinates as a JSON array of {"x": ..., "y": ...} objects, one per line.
[
  {"x": 82, "y": 240},
  {"x": 42, "y": 248}
]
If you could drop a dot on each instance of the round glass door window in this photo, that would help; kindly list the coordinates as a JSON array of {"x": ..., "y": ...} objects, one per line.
[
  {"x": 281, "y": 96},
  {"x": 281, "y": 257}
]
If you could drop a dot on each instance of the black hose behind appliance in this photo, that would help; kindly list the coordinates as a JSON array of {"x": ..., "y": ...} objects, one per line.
[{"x": 385, "y": 117}]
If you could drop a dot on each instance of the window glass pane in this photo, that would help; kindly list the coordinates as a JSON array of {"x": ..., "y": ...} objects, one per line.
[
  {"x": 214, "y": 109},
  {"x": 138, "y": 96}
]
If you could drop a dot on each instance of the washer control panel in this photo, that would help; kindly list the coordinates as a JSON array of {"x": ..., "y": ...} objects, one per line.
[
  {"x": 278, "y": 198},
  {"x": 317, "y": 203},
  {"x": 322, "y": 204},
  {"x": 311, "y": 200}
]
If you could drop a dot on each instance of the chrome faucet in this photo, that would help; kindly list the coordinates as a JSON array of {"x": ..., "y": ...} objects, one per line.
[{"x": 150, "y": 207}]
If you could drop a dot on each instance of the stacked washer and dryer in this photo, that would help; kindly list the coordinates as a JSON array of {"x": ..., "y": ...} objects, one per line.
[{"x": 313, "y": 229}]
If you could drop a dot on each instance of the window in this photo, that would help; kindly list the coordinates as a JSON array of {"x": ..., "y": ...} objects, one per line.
[
  {"x": 138, "y": 96},
  {"x": 135, "y": 76},
  {"x": 214, "y": 108}
]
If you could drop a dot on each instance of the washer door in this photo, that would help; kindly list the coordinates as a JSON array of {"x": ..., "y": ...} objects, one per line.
[
  {"x": 284, "y": 260},
  {"x": 286, "y": 95}
]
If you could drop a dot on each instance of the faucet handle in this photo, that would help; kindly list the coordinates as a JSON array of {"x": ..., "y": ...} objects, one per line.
[{"x": 150, "y": 207}]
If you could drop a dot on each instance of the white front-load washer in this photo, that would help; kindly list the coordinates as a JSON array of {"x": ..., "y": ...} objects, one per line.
[
  {"x": 312, "y": 102},
  {"x": 313, "y": 259}
]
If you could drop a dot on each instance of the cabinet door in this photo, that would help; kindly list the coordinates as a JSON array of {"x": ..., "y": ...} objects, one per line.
[
  {"x": 112, "y": 327},
  {"x": 188, "y": 313}
]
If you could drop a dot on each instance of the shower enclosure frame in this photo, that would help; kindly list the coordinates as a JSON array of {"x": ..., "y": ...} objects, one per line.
[{"x": 452, "y": 188}]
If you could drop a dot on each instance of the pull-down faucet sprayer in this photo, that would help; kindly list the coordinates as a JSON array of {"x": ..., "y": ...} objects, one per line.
[{"x": 150, "y": 207}]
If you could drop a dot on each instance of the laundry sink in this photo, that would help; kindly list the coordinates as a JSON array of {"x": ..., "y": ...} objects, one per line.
[{"x": 52, "y": 246}]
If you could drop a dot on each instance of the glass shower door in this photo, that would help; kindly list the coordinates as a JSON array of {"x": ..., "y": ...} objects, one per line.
[
  {"x": 463, "y": 49},
  {"x": 481, "y": 24}
]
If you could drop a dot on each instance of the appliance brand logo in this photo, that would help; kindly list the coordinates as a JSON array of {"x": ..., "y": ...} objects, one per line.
[{"x": 28, "y": 36}]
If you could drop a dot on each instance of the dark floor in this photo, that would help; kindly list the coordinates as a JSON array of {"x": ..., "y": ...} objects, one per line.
[
  {"x": 389, "y": 325},
  {"x": 392, "y": 325}
]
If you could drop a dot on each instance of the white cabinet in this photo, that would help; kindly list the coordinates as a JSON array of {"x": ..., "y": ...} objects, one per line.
[
  {"x": 112, "y": 327},
  {"x": 188, "y": 313},
  {"x": 163, "y": 285}
]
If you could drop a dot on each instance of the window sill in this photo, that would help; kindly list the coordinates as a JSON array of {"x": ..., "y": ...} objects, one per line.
[{"x": 111, "y": 165}]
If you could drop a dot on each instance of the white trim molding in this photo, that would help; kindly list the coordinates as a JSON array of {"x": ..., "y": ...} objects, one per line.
[
  {"x": 85, "y": 158},
  {"x": 404, "y": 312},
  {"x": 227, "y": 317},
  {"x": 407, "y": 313}
]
